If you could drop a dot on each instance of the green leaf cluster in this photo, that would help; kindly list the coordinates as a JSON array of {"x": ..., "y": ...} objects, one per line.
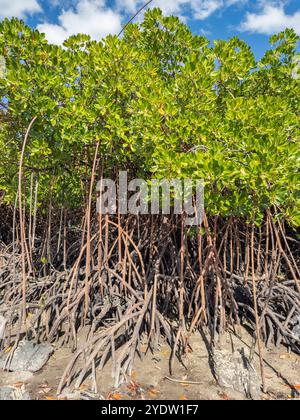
[{"x": 163, "y": 103}]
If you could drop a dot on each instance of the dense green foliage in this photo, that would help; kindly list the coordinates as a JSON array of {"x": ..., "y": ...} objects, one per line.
[{"x": 162, "y": 102}]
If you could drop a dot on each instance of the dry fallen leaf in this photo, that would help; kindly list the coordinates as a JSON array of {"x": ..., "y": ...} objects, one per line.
[
  {"x": 153, "y": 392},
  {"x": 183, "y": 398},
  {"x": 225, "y": 397},
  {"x": 285, "y": 356},
  {"x": 134, "y": 374},
  {"x": 143, "y": 348},
  {"x": 30, "y": 316},
  {"x": 114, "y": 396},
  {"x": 19, "y": 384},
  {"x": 165, "y": 352},
  {"x": 51, "y": 398}
]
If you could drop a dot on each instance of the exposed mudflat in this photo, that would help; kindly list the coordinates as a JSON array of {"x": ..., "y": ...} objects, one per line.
[{"x": 151, "y": 378}]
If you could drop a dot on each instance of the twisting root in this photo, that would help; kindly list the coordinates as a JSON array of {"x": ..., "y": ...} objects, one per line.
[{"x": 168, "y": 282}]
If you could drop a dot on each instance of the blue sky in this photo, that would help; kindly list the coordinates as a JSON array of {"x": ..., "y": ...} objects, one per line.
[{"x": 252, "y": 20}]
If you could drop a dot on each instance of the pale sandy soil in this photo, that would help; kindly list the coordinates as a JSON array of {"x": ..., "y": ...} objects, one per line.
[{"x": 148, "y": 380}]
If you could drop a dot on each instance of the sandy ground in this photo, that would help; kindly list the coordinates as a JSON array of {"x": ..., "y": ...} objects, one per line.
[{"x": 150, "y": 379}]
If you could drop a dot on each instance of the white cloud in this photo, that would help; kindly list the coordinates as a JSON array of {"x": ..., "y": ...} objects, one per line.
[
  {"x": 18, "y": 8},
  {"x": 201, "y": 9},
  {"x": 99, "y": 18},
  {"x": 90, "y": 17},
  {"x": 204, "y": 9},
  {"x": 171, "y": 7},
  {"x": 234, "y": 2},
  {"x": 96, "y": 18},
  {"x": 129, "y": 6},
  {"x": 55, "y": 34},
  {"x": 271, "y": 19}
]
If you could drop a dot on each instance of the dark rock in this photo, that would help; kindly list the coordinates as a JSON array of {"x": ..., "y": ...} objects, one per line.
[
  {"x": 234, "y": 370},
  {"x": 8, "y": 393},
  {"x": 296, "y": 327},
  {"x": 2, "y": 327},
  {"x": 28, "y": 357}
]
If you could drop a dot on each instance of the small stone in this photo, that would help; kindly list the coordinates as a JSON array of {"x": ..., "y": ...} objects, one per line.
[
  {"x": 295, "y": 322},
  {"x": 234, "y": 370},
  {"x": 28, "y": 357},
  {"x": 3, "y": 323},
  {"x": 8, "y": 393}
]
